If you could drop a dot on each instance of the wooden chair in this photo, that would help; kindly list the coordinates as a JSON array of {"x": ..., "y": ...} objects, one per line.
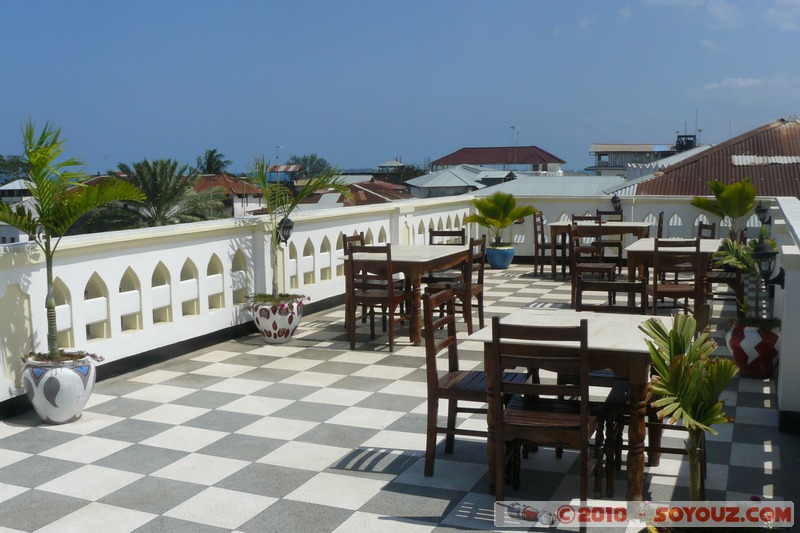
[
  {"x": 635, "y": 301},
  {"x": 536, "y": 415},
  {"x": 442, "y": 237},
  {"x": 399, "y": 284},
  {"x": 707, "y": 231},
  {"x": 614, "y": 242},
  {"x": 660, "y": 229},
  {"x": 454, "y": 385},
  {"x": 472, "y": 284},
  {"x": 734, "y": 279},
  {"x": 689, "y": 273},
  {"x": 369, "y": 284},
  {"x": 587, "y": 259},
  {"x": 541, "y": 246}
]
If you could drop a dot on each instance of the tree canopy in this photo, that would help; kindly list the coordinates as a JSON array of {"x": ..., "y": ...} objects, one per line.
[
  {"x": 212, "y": 162},
  {"x": 313, "y": 165},
  {"x": 13, "y": 167}
]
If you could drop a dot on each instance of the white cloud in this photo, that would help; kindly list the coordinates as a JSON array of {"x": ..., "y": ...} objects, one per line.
[
  {"x": 725, "y": 13},
  {"x": 735, "y": 83},
  {"x": 784, "y": 14},
  {"x": 708, "y": 44},
  {"x": 625, "y": 13},
  {"x": 585, "y": 22}
]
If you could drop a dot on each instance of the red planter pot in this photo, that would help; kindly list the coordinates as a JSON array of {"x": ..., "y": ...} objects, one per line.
[{"x": 754, "y": 350}]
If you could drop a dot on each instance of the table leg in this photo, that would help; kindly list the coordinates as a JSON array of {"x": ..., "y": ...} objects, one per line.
[
  {"x": 636, "y": 430},
  {"x": 415, "y": 327},
  {"x": 490, "y": 431},
  {"x": 553, "y": 241}
]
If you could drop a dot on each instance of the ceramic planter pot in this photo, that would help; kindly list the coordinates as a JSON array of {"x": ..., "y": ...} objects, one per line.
[
  {"x": 499, "y": 258},
  {"x": 754, "y": 350},
  {"x": 278, "y": 322},
  {"x": 59, "y": 390}
]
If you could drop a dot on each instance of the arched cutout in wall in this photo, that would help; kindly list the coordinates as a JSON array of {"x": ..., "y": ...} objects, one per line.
[
  {"x": 308, "y": 264},
  {"x": 325, "y": 267},
  {"x": 130, "y": 301},
  {"x": 382, "y": 237},
  {"x": 95, "y": 305},
  {"x": 66, "y": 339},
  {"x": 239, "y": 281},
  {"x": 339, "y": 254},
  {"x": 215, "y": 283},
  {"x": 190, "y": 289},
  {"x": 294, "y": 282},
  {"x": 161, "y": 294}
]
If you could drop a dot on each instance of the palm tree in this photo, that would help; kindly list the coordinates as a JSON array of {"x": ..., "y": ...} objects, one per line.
[
  {"x": 281, "y": 202},
  {"x": 497, "y": 212},
  {"x": 731, "y": 201},
  {"x": 169, "y": 192},
  {"x": 212, "y": 162},
  {"x": 58, "y": 199}
]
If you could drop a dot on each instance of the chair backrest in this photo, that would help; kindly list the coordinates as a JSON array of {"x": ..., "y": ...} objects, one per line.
[
  {"x": 372, "y": 268},
  {"x": 625, "y": 291},
  {"x": 357, "y": 239},
  {"x": 439, "y": 236},
  {"x": 511, "y": 348},
  {"x": 586, "y": 218},
  {"x": 707, "y": 231},
  {"x": 538, "y": 230},
  {"x": 666, "y": 260},
  {"x": 615, "y": 216},
  {"x": 439, "y": 333},
  {"x": 476, "y": 261},
  {"x": 581, "y": 251},
  {"x": 660, "y": 231}
]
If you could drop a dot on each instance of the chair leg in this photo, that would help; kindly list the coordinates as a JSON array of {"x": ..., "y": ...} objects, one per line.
[
  {"x": 654, "y": 432},
  {"x": 452, "y": 410},
  {"x": 430, "y": 438},
  {"x": 479, "y": 297},
  {"x": 466, "y": 306}
]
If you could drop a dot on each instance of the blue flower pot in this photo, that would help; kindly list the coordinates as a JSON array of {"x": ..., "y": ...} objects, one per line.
[{"x": 499, "y": 258}]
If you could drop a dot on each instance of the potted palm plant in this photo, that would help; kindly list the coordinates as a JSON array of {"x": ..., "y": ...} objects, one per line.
[
  {"x": 688, "y": 382},
  {"x": 752, "y": 339},
  {"x": 277, "y": 315},
  {"x": 497, "y": 212},
  {"x": 731, "y": 202},
  {"x": 58, "y": 383}
]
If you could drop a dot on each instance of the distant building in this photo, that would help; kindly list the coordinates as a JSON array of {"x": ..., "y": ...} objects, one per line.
[
  {"x": 282, "y": 173},
  {"x": 614, "y": 159},
  {"x": 14, "y": 192},
  {"x": 240, "y": 196},
  {"x": 522, "y": 158}
]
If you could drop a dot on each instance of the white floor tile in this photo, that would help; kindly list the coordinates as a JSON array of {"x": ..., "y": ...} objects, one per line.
[
  {"x": 156, "y": 376},
  {"x": 365, "y": 418},
  {"x": 159, "y": 393},
  {"x": 397, "y": 440},
  {"x": 9, "y": 491},
  {"x": 407, "y": 388},
  {"x": 313, "y": 379},
  {"x": 99, "y": 517},
  {"x": 305, "y": 456},
  {"x": 215, "y": 356},
  {"x": 221, "y": 507},
  {"x": 335, "y": 490},
  {"x": 85, "y": 449},
  {"x": 278, "y": 428},
  {"x": 364, "y": 358},
  {"x": 90, "y": 482},
  {"x": 385, "y": 524},
  {"x": 88, "y": 423},
  {"x": 201, "y": 469},
  {"x": 184, "y": 438},
  {"x": 238, "y": 386},
  {"x": 275, "y": 351},
  {"x": 171, "y": 413},
  {"x": 337, "y": 396},
  {"x": 453, "y": 475},
  {"x": 222, "y": 370},
  {"x": 288, "y": 363},
  {"x": 9, "y": 457},
  {"x": 383, "y": 371},
  {"x": 256, "y": 405}
]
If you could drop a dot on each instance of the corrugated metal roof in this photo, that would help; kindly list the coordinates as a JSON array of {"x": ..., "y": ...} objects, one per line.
[
  {"x": 229, "y": 183},
  {"x": 691, "y": 176},
  {"x": 459, "y": 176},
  {"x": 500, "y": 155},
  {"x": 753, "y": 160},
  {"x": 16, "y": 185},
  {"x": 555, "y": 185},
  {"x": 603, "y": 147},
  {"x": 284, "y": 168}
]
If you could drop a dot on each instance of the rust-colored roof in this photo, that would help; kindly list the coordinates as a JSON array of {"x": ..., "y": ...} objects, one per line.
[
  {"x": 501, "y": 155},
  {"x": 229, "y": 183},
  {"x": 365, "y": 193},
  {"x": 767, "y": 155}
]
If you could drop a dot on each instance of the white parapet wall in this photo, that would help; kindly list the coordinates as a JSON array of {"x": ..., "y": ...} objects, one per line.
[{"x": 119, "y": 294}]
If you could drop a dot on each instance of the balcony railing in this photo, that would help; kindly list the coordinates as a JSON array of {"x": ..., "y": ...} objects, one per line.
[{"x": 119, "y": 294}]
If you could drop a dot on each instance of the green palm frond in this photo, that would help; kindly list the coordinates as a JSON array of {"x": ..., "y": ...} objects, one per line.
[
  {"x": 497, "y": 212},
  {"x": 730, "y": 201}
]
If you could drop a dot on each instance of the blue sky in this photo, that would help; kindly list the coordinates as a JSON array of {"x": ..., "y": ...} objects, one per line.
[{"x": 362, "y": 82}]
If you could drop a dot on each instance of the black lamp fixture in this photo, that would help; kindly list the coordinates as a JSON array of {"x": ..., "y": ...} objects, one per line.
[
  {"x": 762, "y": 212},
  {"x": 765, "y": 255},
  {"x": 616, "y": 203},
  {"x": 285, "y": 228}
]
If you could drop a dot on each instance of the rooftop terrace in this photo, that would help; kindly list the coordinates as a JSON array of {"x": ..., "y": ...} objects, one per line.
[{"x": 313, "y": 436}]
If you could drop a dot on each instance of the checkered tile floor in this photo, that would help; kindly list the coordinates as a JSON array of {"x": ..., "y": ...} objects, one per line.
[{"x": 313, "y": 436}]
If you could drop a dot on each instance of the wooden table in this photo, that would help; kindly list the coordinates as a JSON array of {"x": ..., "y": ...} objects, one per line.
[
  {"x": 612, "y": 227},
  {"x": 414, "y": 261},
  {"x": 640, "y": 257},
  {"x": 616, "y": 343}
]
